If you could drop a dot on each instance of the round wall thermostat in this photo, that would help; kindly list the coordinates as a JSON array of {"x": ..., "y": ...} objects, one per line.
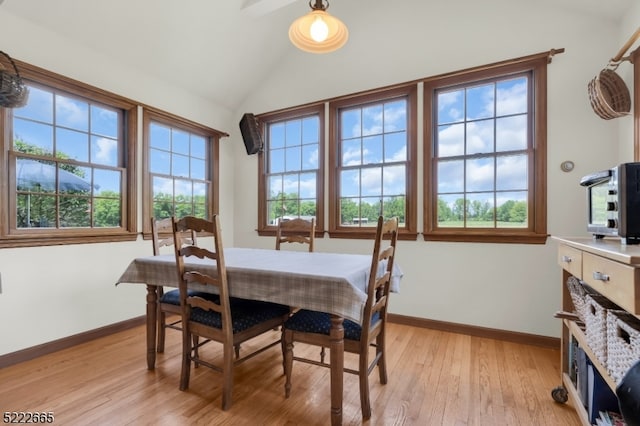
[{"x": 567, "y": 166}]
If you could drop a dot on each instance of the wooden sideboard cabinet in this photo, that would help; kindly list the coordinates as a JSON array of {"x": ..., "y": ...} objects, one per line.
[{"x": 613, "y": 270}]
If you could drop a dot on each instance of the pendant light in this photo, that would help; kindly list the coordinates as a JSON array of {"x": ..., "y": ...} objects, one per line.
[{"x": 317, "y": 31}]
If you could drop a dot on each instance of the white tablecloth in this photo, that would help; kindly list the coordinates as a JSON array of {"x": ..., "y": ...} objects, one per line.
[{"x": 327, "y": 282}]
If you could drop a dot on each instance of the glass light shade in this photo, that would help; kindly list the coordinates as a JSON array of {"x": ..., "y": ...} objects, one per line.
[{"x": 318, "y": 32}]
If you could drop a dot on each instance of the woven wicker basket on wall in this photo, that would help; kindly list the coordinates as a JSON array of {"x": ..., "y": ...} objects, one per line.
[
  {"x": 609, "y": 95},
  {"x": 13, "y": 92}
]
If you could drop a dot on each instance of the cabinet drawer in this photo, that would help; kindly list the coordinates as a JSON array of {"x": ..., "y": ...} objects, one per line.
[
  {"x": 616, "y": 281},
  {"x": 570, "y": 259}
]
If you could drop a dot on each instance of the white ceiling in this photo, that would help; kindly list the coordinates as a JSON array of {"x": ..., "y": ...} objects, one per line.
[{"x": 219, "y": 49}]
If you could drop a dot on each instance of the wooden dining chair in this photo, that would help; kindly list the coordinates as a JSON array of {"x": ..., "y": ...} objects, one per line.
[
  {"x": 225, "y": 320},
  {"x": 313, "y": 327},
  {"x": 169, "y": 302},
  {"x": 296, "y": 230}
]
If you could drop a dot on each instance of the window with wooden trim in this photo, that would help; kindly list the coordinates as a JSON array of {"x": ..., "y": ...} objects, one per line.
[
  {"x": 65, "y": 157},
  {"x": 485, "y": 154},
  {"x": 372, "y": 152},
  {"x": 181, "y": 167},
  {"x": 291, "y": 167}
]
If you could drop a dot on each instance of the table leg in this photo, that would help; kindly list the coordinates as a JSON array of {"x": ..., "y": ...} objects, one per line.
[
  {"x": 336, "y": 336},
  {"x": 152, "y": 312}
]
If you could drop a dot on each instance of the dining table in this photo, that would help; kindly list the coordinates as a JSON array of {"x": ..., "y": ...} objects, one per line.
[{"x": 335, "y": 283}]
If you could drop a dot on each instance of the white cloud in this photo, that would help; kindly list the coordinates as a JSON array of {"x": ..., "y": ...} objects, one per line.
[
  {"x": 352, "y": 157},
  {"x": 105, "y": 150},
  {"x": 480, "y": 174},
  {"x": 70, "y": 112},
  {"x": 512, "y": 99},
  {"x": 451, "y": 140},
  {"x": 400, "y": 155},
  {"x": 312, "y": 160},
  {"x": 445, "y": 102},
  {"x": 162, "y": 186}
]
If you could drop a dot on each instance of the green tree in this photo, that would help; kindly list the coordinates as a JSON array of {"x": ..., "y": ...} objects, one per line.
[
  {"x": 395, "y": 207},
  {"x": 503, "y": 213},
  {"x": 444, "y": 211},
  {"x": 518, "y": 213},
  {"x": 308, "y": 208},
  {"x": 480, "y": 211},
  {"x": 348, "y": 211},
  {"x": 458, "y": 210},
  {"x": 284, "y": 205},
  {"x": 107, "y": 212}
]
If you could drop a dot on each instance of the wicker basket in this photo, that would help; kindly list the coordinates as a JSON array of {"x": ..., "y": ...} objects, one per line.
[
  {"x": 623, "y": 342},
  {"x": 13, "y": 92},
  {"x": 596, "y": 307},
  {"x": 609, "y": 95},
  {"x": 578, "y": 291}
]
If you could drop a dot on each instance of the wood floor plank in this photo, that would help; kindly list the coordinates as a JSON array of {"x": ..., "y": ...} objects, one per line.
[{"x": 435, "y": 378}]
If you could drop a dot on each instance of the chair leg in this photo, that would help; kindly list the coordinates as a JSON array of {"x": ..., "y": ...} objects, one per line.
[
  {"x": 196, "y": 356},
  {"x": 283, "y": 347},
  {"x": 322, "y": 353},
  {"x": 227, "y": 376},
  {"x": 287, "y": 347},
  {"x": 161, "y": 321},
  {"x": 161, "y": 330},
  {"x": 364, "y": 385},
  {"x": 186, "y": 359},
  {"x": 237, "y": 348},
  {"x": 382, "y": 362}
]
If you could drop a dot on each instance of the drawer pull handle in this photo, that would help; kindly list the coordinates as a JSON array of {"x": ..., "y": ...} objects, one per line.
[
  {"x": 566, "y": 259},
  {"x": 600, "y": 276}
]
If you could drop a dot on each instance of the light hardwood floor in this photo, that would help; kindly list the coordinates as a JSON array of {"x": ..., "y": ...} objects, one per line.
[{"x": 435, "y": 378}]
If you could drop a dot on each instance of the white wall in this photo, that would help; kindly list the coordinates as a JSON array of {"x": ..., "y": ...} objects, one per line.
[{"x": 511, "y": 287}]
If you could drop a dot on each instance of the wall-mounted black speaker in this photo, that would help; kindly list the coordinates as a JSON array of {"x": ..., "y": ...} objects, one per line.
[{"x": 251, "y": 133}]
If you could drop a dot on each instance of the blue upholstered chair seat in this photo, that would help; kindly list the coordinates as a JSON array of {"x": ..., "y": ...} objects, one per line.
[
  {"x": 320, "y": 323},
  {"x": 173, "y": 297},
  {"x": 244, "y": 314}
]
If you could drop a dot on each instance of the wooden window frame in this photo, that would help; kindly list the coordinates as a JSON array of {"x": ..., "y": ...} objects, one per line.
[
  {"x": 635, "y": 60},
  {"x": 409, "y": 91},
  {"x": 12, "y": 237},
  {"x": 264, "y": 229},
  {"x": 536, "y": 232},
  {"x": 154, "y": 115}
]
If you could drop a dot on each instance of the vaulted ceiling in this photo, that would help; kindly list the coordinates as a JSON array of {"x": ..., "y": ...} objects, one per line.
[{"x": 217, "y": 48}]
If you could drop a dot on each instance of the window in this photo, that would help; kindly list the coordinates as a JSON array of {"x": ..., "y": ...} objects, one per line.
[
  {"x": 181, "y": 168},
  {"x": 65, "y": 157},
  {"x": 372, "y": 152},
  {"x": 290, "y": 167},
  {"x": 485, "y": 154}
]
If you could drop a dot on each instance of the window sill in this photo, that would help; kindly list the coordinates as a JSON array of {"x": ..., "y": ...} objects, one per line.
[
  {"x": 486, "y": 237},
  {"x": 369, "y": 234},
  {"x": 41, "y": 241}
]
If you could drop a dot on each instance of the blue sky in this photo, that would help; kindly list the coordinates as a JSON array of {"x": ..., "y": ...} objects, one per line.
[{"x": 491, "y": 117}]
